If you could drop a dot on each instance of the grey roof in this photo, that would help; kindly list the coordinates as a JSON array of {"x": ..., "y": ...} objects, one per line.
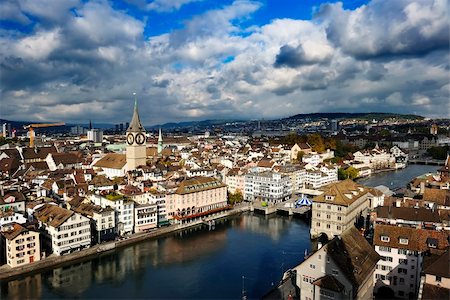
[{"x": 135, "y": 124}]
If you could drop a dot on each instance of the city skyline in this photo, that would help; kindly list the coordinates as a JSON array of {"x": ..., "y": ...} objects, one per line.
[{"x": 195, "y": 60}]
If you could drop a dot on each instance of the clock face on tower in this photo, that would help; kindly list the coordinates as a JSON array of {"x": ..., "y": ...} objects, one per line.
[
  {"x": 130, "y": 139},
  {"x": 140, "y": 138}
]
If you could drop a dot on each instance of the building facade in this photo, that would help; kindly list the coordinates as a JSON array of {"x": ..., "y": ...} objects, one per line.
[
  {"x": 341, "y": 205},
  {"x": 19, "y": 245}
]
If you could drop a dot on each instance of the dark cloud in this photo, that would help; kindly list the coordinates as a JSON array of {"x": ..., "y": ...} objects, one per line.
[
  {"x": 294, "y": 57},
  {"x": 388, "y": 28}
]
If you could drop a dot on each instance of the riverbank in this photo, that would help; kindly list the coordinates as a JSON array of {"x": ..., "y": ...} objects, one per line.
[{"x": 51, "y": 262}]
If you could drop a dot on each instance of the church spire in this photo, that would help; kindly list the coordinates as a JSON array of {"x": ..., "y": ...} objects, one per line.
[
  {"x": 160, "y": 142},
  {"x": 135, "y": 124}
]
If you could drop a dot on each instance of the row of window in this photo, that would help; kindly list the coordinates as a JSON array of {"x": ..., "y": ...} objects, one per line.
[
  {"x": 329, "y": 207},
  {"x": 328, "y": 226}
]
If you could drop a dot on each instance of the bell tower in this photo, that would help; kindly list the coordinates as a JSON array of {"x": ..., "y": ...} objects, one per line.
[{"x": 136, "y": 141}]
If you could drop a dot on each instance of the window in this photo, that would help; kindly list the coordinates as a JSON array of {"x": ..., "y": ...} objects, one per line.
[
  {"x": 403, "y": 241},
  {"x": 328, "y": 226},
  {"x": 386, "y": 258},
  {"x": 339, "y": 218},
  {"x": 402, "y": 251},
  {"x": 438, "y": 278},
  {"x": 402, "y": 271},
  {"x": 312, "y": 266},
  {"x": 385, "y": 238},
  {"x": 339, "y": 208},
  {"x": 402, "y": 261},
  {"x": 335, "y": 272},
  {"x": 385, "y": 249}
]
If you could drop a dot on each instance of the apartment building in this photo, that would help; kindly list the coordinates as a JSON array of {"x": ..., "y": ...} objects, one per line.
[
  {"x": 63, "y": 230},
  {"x": 196, "y": 197},
  {"x": 103, "y": 226},
  {"x": 297, "y": 175},
  {"x": 145, "y": 217},
  {"x": 435, "y": 281},
  {"x": 339, "y": 207},
  {"x": 342, "y": 269},
  {"x": 267, "y": 186},
  {"x": 402, "y": 251},
  {"x": 18, "y": 245},
  {"x": 123, "y": 207}
]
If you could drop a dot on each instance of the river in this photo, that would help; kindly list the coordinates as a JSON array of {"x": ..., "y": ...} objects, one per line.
[
  {"x": 198, "y": 263},
  {"x": 194, "y": 264},
  {"x": 399, "y": 178}
]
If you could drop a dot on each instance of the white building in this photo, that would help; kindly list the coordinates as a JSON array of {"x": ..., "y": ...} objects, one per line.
[
  {"x": 124, "y": 210},
  {"x": 95, "y": 135},
  {"x": 320, "y": 175},
  {"x": 267, "y": 186},
  {"x": 342, "y": 269},
  {"x": 63, "y": 230},
  {"x": 145, "y": 217},
  {"x": 402, "y": 251},
  {"x": 340, "y": 207}
]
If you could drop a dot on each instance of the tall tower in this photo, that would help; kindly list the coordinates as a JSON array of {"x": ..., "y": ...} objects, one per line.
[
  {"x": 136, "y": 141},
  {"x": 160, "y": 142}
]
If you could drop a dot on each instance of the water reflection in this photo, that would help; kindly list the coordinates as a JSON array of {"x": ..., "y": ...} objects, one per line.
[{"x": 203, "y": 263}]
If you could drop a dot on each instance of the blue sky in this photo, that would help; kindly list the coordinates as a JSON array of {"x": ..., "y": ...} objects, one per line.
[{"x": 191, "y": 59}]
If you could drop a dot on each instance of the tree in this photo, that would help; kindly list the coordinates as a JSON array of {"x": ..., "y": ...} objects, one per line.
[
  {"x": 300, "y": 155},
  {"x": 352, "y": 173},
  {"x": 316, "y": 142},
  {"x": 235, "y": 197},
  {"x": 342, "y": 175}
]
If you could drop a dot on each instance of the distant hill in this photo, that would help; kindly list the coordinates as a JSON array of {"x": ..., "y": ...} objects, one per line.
[
  {"x": 202, "y": 124},
  {"x": 341, "y": 115}
]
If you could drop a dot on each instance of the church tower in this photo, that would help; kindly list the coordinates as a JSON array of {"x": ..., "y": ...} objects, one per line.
[
  {"x": 136, "y": 142},
  {"x": 160, "y": 142}
]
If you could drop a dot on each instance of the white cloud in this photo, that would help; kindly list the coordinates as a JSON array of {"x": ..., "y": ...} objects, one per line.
[
  {"x": 214, "y": 67},
  {"x": 168, "y": 5}
]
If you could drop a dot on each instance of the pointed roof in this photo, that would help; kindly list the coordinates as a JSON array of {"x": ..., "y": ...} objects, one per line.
[
  {"x": 160, "y": 135},
  {"x": 135, "y": 124}
]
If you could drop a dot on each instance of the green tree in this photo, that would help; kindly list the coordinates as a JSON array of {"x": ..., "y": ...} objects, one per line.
[
  {"x": 438, "y": 152},
  {"x": 300, "y": 155},
  {"x": 342, "y": 175},
  {"x": 352, "y": 173},
  {"x": 235, "y": 197},
  {"x": 316, "y": 142}
]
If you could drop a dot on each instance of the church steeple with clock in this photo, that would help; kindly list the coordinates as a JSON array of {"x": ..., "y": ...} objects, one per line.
[{"x": 136, "y": 141}]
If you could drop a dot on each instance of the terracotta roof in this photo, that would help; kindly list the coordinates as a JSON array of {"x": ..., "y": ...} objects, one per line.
[
  {"x": 420, "y": 214},
  {"x": 65, "y": 158},
  {"x": 9, "y": 165},
  {"x": 13, "y": 230},
  {"x": 343, "y": 192},
  {"x": 42, "y": 152},
  {"x": 53, "y": 215},
  {"x": 354, "y": 256},
  {"x": 265, "y": 163},
  {"x": 418, "y": 239},
  {"x": 440, "y": 267},
  {"x": 438, "y": 196},
  {"x": 151, "y": 151},
  {"x": 198, "y": 184},
  {"x": 434, "y": 292},
  {"x": 112, "y": 161},
  {"x": 38, "y": 165},
  {"x": 18, "y": 196},
  {"x": 329, "y": 282}
]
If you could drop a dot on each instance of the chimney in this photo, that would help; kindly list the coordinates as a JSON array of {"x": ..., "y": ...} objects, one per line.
[
  {"x": 2, "y": 191},
  {"x": 422, "y": 188}
]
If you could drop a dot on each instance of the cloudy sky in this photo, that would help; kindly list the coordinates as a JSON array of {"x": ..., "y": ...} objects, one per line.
[{"x": 76, "y": 60}]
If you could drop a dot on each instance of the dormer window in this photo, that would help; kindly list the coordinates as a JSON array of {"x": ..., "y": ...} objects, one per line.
[
  {"x": 329, "y": 198},
  {"x": 385, "y": 238},
  {"x": 432, "y": 243},
  {"x": 403, "y": 241}
]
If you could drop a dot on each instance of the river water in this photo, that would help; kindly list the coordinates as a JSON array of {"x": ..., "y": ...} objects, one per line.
[
  {"x": 399, "y": 178},
  {"x": 198, "y": 263},
  {"x": 194, "y": 264}
]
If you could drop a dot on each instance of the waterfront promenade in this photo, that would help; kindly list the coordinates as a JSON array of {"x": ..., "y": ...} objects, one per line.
[{"x": 52, "y": 261}]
